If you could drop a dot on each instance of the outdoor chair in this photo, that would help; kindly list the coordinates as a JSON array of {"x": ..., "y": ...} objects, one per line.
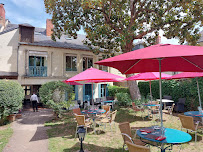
[
  {"x": 136, "y": 148},
  {"x": 169, "y": 109},
  {"x": 81, "y": 121},
  {"x": 180, "y": 105},
  {"x": 107, "y": 108},
  {"x": 127, "y": 135},
  {"x": 109, "y": 120},
  {"x": 138, "y": 108},
  {"x": 188, "y": 124},
  {"x": 169, "y": 98},
  {"x": 77, "y": 111}
]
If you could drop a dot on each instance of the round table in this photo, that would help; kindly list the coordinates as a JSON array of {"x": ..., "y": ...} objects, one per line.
[
  {"x": 164, "y": 101},
  {"x": 93, "y": 113},
  {"x": 173, "y": 136},
  {"x": 150, "y": 105},
  {"x": 193, "y": 114}
]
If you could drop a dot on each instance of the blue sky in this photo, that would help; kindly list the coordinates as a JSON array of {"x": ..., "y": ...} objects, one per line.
[{"x": 33, "y": 12}]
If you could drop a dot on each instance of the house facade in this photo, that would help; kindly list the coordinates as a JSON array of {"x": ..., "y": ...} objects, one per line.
[{"x": 29, "y": 56}]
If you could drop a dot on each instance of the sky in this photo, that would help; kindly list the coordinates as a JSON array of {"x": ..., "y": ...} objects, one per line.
[{"x": 33, "y": 12}]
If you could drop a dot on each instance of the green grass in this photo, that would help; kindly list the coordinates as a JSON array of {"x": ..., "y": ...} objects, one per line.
[
  {"x": 61, "y": 134},
  {"x": 5, "y": 134}
]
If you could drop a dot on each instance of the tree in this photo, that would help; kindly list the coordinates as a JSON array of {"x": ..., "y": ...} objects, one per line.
[{"x": 112, "y": 25}]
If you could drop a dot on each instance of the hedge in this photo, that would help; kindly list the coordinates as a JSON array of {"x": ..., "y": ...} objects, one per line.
[
  {"x": 186, "y": 88},
  {"x": 113, "y": 90},
  {"x": 11, "y": 96}
]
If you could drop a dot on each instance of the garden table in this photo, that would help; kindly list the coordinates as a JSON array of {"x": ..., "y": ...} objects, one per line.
[
  {"x": 164, "y": 101},
  {"x": 194, "y": 114},
  {"x": 149, "y": 105},
  {"x": 108, "y": 102},
  {"x": 172, "y": 136},
  {"x": 92, "y": 114}
]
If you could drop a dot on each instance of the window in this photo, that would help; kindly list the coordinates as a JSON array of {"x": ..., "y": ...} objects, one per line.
[
  {"x": 71, "y": 63},
  {"x": 37, "y": 66},
  {"x": 87, "y": 63},
  {"x": 103, "y": 90},
  {"x": 103, "y": 68},
  {"x": 27, "y": 90}
]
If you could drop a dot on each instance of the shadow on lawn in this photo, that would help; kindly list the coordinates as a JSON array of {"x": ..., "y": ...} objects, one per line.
[
  {"x": 124, "y": 115},
  {"x": 91, "y": 148}
]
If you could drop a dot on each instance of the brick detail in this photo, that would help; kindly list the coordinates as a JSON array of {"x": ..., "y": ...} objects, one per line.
[{"x": 49, "y": 27}]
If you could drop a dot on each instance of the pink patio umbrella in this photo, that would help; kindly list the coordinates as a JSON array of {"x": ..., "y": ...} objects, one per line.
[
  {"x": 190, "y": 75},
  {"x": 94, "y": 76},
  {"x": 148, "y": 76},
  {"x": 158, "y": 58}
]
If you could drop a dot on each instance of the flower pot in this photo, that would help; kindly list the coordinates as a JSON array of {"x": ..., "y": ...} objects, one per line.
[{"x": 11, "y": 117}]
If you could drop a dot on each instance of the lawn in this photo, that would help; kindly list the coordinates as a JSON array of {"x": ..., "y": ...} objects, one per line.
[
  {"x": 62, "y": 131},
  {"x": 5, "y": 134}
]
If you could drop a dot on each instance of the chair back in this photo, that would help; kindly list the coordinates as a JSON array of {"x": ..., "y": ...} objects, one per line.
[
  {"x": 136, "y": 148},
  {"x": 80, "y": 120},
  {"x": 187, "y": 122},
  {"x": 107, "y": 108},
  {"x": 155, "y": 102},
  {"x": 125, "y": 128},
  {"x": 182, "y": 100},
  {"x": 77, "y": 111},
  {"x": 113, "y": 115}
]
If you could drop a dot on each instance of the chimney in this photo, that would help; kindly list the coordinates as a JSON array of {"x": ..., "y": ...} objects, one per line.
[
  {"x": 2, "y": 14},
  {"x": 49, "y": 27},
  {"x": 158, "y": 40}
]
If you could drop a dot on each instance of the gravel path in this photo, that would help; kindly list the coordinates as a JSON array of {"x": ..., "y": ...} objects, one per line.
[{"x": 29, "y": 132}]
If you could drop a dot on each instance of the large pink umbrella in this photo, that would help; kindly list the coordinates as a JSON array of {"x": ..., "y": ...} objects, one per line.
[
  {"x": 190, "y": 75},
  {"x": 158, "y": 58},
  {"x": 94, "y": 76},
  {"x": 148, "y": 76}
]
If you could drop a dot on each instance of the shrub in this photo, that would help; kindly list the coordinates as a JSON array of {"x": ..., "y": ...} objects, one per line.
[
  {"x": 11, "y": 96},
  {"x": 123, "y": 99},
  {"x": 53, "y": 93},
  {"x": 113, "y": 90}
]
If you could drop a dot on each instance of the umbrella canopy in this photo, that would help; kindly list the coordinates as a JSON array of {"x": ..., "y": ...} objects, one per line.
[
  {"x": 158, "y": 58},
  {"x": 93, "y": 75},
  {"x": 173, "y": 58},
  {"x": 190, "y": 75},
  {"x": 148, "y": 76},
  {"x": 72, "y": 83}
]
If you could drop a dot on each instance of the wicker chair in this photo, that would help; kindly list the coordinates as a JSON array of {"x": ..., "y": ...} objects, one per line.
[
  {"x": 81, "y": 121},
  {"x": 136, "y": 148},
  {"x": 169, "y": 109},
  {"x": 106, "y": 114},
  {"x": 109, "y": 120},
  {"x": 77, "y": 111},
  {"x": 188, "y": 124},
  {"x": 127, "y": 135}
]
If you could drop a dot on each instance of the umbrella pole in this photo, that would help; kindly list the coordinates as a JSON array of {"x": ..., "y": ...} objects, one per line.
[
  {"x": 92, "y": 96},
  {"x": 150, "y": 87},
  {"x": 160, "y": 93},
  {"x": 200, "y": 102}
]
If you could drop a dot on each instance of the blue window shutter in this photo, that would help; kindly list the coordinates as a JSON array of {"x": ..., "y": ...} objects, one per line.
[
  {"x": 107, "y": 90},
  {"x": 99, "y": 90},
  {"x": 76, "y": 92}
]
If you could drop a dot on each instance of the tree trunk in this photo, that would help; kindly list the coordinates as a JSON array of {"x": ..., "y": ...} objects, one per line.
[{"x": 133, "y": 87}]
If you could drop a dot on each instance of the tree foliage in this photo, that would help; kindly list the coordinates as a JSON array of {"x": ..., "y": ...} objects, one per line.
[
  {"x": 113, "y": 25},
  {"x": 53, "y": 95},
  {"x": 11, "y": 96}
]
